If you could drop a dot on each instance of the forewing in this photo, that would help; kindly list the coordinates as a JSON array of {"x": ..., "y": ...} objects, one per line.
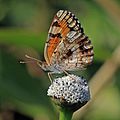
[
  {"x": 64, "y": 25},
  {"x": 74, "y": 50}
]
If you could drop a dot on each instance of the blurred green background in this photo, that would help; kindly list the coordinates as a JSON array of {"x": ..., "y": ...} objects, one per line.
[{"x": 23, "y": 30}]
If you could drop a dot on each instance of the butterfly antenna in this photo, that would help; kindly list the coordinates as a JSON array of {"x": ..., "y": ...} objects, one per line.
[
  {"x": 24, "y": 62},
  {"x": 32, "y": 59}
]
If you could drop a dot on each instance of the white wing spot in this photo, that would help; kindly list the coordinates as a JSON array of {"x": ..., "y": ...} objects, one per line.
[
  {"x": 71, "y": 34},
  {"x": 63, "y": 15},
  {"x": 59, "y": 13}
]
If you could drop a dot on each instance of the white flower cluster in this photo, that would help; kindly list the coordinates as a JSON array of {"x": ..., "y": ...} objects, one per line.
[{"x": 71, "y": 88}]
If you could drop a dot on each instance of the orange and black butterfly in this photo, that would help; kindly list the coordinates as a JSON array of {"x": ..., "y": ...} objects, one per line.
[{"x": 67, "y": 47}]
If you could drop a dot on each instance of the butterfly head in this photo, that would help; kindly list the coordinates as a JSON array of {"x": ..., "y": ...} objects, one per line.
[{"x": 44, "y": 66}]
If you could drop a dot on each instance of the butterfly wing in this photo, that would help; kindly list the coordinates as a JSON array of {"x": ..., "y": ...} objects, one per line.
[
  {"x": 74, "y": 56},
  {"x": 57, "y": 32},
  {"x": 67, "y": 45}
]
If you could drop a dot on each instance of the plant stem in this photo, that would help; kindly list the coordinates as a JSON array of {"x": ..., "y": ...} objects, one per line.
[{"x": 65, "y": 114}]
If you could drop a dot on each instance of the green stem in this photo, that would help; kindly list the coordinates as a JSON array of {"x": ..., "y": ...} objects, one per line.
[{"x": 65, "y": 114}]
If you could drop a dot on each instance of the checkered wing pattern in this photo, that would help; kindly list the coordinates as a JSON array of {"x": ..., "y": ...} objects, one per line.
[{"x": 67, "y": 45}]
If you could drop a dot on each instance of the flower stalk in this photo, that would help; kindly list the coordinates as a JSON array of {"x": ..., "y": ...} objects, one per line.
[{"x": 65, "y": 114}]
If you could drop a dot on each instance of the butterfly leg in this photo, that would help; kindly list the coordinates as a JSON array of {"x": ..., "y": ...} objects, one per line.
[
  {"x": 50, "y": 76},
  {"x": 67, "y": 73},
  {"x": 49, "y": 73}
]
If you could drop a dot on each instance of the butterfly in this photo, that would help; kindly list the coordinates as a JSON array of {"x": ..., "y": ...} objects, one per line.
[{"x": 67, "y": 48}]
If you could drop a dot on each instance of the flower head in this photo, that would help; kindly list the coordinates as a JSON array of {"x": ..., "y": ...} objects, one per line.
[{"x": 69, "y": 91}]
